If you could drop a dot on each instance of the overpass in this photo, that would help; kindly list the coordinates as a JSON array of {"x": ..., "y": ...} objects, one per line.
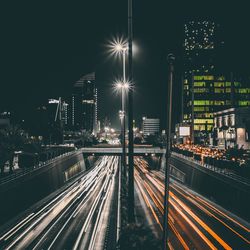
[{"x": 118, "y": 150}]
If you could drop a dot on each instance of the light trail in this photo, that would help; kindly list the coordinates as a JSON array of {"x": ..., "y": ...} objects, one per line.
[
  {"x": 151, "y": 186},
  {"x": 39, "y": 225}
]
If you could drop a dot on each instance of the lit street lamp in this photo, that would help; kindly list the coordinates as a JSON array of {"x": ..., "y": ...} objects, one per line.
[
  {"x": 171, "y": 59},
  {"x": 131, "y": 198},
  {"x": 123, "y": 86}
]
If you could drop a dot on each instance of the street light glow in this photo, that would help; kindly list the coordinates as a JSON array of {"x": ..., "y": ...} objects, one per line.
[
  {"x": 117, "y": 46},
  {"x": 120, "y": 86},
  {"x": 126, "y": 85}
]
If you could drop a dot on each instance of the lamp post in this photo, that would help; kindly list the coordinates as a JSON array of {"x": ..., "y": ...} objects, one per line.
[
  {"x": 170, "y": 59},
  {"x": 124, "y": 86},
  {"x": 131, "y": 202}
]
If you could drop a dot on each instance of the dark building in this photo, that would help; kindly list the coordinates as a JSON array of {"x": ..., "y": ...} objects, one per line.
[
  {"x": 83, "y": 106},
  {"x": 205, "y": 89},
  {"x": 4, "y": 119}
]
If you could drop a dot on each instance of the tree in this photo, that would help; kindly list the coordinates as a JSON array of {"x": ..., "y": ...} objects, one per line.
[
  {"x": 151, "y": 139},
  {"x": 86, "y": 138},
  {"x": 161, "y": 140},
  {"x": 12, "y": 139},
  {"x": 106, "y": 122},
  {"x": 3, "y": 156},
  {"x": 137, "y": 140}
]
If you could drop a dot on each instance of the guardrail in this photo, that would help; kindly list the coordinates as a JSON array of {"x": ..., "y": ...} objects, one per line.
[
  {"x": 34, "y": 168},
  {"x": 224, "y": 172}
]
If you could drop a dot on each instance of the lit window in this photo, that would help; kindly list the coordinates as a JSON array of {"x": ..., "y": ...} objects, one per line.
[
  {"x": 244, "y": 103},
  {"x": 219, "y": 103},
  {"x": 219, "y": 84},
  {"x": 201, "y": 90},
  {"x": 203, "y": 121},
  {"x": 199, "y": 84},
  {"x": 218, "y": 90}
]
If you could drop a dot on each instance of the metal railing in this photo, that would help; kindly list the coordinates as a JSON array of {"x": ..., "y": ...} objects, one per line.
[
  {"x": 223, "y": 171},
  {"x": 30, "y": 170}
]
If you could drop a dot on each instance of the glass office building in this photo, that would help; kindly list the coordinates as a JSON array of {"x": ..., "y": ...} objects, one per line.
[{"x": 205, "y": 89}]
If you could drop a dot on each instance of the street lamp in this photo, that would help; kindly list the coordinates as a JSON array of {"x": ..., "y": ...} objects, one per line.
[
  {"x": 170, "y": 59},
  {"x": 123, "y": 87},
  {"x": 121, "y": 48}
]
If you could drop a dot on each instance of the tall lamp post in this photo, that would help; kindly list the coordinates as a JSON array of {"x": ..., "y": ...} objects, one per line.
[
  {"x": 170, "y": 59},
  {"x": 131, "y": 202},
  {"x": 123, "y": 86}
]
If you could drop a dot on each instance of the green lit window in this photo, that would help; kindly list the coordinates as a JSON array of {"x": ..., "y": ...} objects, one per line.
[
  {"x": 206, "y": 77},
  {"x": 219, "y": 103},
  {"x": 228, "y": 90},
  {"x": 185, "y": 116},
  {"x": 244, "y": 91},
  {"x": 203, "y": 115},
  {"x": 218, "y": 90},
  {"x": 203, "y": 102},
  {"x": 244, "y": 103},
  {"x": 203, "y": 127},
  {"x": 203, "y": 121},
  {"x": 199, "y": 84},
  {"x": 221, "y": 78},
  {"x": 199, "y": 109},
  {"x": 201, "y": 90},
  {"x": 185, "y": 81},
  {"x": 186, "y": 87},
  {"x": 228, "y": 84},
  {"x": 219, "y": 84}
]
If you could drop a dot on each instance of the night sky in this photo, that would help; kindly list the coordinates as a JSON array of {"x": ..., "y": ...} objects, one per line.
[{"x": 48, "y": 45}]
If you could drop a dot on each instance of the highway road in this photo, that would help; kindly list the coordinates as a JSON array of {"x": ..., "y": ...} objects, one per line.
[
  {"x": 194, "y": 221},
  {"x": 77, "y": 218}
]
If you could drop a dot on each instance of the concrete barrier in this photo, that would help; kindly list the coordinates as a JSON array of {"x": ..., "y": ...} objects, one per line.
[{"x": 23, "y": 192}]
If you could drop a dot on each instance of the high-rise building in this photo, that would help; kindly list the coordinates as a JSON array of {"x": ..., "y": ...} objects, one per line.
[
  {"x": 200, "y": 45},
  {"x": 210, "y": 93},
  {"x": 5, "y": 119},
  {"x": 150, "y": 126},
  {"x": 205, "y": 89},
  {"x": 84, "y": 104}
]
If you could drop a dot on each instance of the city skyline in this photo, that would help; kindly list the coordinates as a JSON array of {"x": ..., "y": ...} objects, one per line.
[
  {"x": 125, "y": 125},
  {"x": 45, "y": 68}
]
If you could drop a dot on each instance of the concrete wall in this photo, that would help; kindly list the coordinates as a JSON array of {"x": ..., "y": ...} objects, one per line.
[
  {"x": 21, "y": 193},
  {"x": 226, "y": 192}
]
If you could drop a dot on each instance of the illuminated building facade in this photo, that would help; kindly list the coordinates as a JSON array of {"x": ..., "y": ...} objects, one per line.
[
  {"x": 211, "y": 94},
  {"x": 84, "y": 104},
  {"x": 232, "y": 127},
  {"x": 205, "y": 91},
  {"x": 150, "y": 126}
]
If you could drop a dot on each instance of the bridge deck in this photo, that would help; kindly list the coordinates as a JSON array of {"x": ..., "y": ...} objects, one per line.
[{"x": 93, "y": 150}]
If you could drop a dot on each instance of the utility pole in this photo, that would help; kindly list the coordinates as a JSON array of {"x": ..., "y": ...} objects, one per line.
[
  {"x": 124, "y": 116},
  {"x": 171, "y": 59},
  {"x": 192, "y": 109},
  {"x": 131, "y": 217}
]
